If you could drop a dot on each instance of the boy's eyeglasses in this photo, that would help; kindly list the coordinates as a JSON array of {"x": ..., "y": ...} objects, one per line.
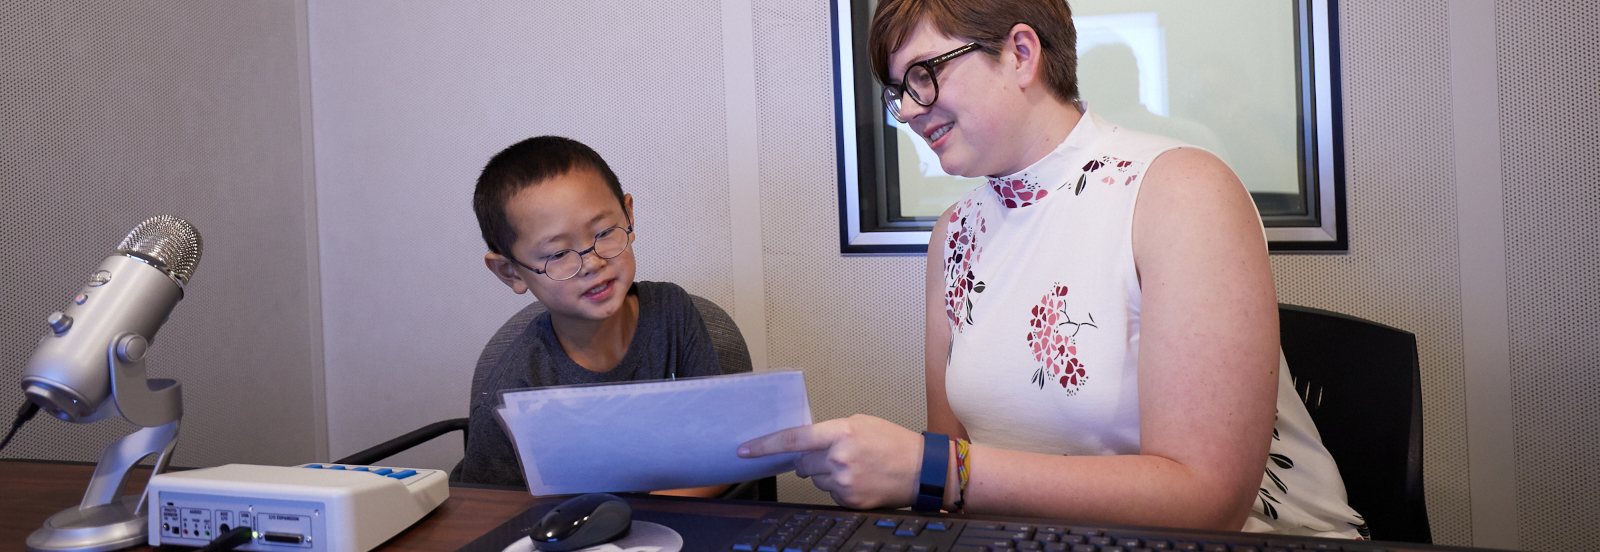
[
  {"x": 919, "y": 82},
  {"x": 566, "y": 263}
]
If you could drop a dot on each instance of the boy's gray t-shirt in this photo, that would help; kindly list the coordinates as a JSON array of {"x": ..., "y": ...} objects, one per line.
[{"x": 669, "y": 339}]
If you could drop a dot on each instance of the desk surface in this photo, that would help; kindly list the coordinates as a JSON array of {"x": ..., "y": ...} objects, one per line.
[{"x": 30, "y": 492}]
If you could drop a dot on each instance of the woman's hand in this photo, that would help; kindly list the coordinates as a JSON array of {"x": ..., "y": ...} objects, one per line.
[{"x": 862, "y": 461}]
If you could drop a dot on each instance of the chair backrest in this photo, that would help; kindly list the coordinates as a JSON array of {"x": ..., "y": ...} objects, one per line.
[{"x": 1361, "y": 383}]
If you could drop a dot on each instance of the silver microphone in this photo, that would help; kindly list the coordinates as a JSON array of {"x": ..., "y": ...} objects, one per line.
[{"x": 127, "y": 299}]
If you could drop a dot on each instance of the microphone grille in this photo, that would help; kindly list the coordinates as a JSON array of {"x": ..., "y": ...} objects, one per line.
[{"x": 170, "y": 243}]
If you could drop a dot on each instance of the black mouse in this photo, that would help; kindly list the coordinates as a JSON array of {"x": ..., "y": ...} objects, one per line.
[{"x": 582, "y": 522}]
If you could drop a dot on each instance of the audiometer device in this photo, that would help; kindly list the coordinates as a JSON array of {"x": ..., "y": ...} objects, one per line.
[{"x": 306, "y": 508}]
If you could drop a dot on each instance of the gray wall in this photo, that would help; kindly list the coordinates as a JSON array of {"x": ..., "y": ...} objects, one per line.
[
  {"x": 411, "y": 101},
  {"x": 111, "y": 112}
]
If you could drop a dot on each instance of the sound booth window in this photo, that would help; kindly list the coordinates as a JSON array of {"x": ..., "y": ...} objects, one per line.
[{"x": 1267, "y": 102}]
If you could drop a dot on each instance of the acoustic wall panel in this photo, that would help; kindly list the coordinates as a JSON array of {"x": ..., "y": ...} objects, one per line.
[
  {"x": 111, "y": 112},
  {"x": 1402, "y": 268},
  {"x": 1549, "y": 56},
  {"x": 412, "y": 98},
  {"x": 854, "y": 324}
]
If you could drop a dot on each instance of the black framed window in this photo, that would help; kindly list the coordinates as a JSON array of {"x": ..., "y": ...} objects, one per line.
[{"x": 1266, "y": 101}]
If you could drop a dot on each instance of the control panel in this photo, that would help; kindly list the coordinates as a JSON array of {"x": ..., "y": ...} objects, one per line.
[{"x": 312, "y": 507}]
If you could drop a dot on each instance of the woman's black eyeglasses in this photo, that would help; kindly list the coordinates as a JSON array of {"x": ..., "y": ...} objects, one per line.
[{"x": 919, "y": 82}]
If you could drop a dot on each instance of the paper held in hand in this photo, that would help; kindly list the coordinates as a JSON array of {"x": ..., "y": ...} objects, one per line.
[{"x": 653, "y": 435}]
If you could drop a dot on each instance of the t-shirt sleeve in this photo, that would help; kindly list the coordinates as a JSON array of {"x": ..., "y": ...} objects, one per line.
[{"x": 696, "y": 354}]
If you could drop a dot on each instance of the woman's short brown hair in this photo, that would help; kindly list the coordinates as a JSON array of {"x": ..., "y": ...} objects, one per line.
[{"x": 986, "y": 22}]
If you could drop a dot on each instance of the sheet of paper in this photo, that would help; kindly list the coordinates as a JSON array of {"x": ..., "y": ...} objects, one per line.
[{"x": 651, "y": 435}]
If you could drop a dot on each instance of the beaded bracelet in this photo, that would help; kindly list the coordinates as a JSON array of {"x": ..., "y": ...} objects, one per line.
[{"x": 963, "y": 447}]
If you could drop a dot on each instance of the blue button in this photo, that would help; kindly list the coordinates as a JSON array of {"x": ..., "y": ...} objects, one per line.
[
  {"x": 335, "y": 467},
  {"x": 315, "y": 466},
  {"x": 404, "y": 474},
  {"x": 384, "y": 471},
  {"x": 362, "y": 468}
]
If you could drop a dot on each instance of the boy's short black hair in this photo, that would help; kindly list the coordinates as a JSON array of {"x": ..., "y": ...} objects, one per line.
[{"x": 523, "y": 165}]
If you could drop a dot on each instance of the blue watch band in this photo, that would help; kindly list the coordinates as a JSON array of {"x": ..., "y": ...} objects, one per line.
[{"x": 935, "y": 471}]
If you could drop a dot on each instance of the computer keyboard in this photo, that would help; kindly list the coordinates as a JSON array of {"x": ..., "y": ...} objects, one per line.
[{"x": 795, "y": 530}]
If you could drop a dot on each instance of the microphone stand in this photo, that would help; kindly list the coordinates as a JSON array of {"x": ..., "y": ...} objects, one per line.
[{"x": 107, "y": 520}]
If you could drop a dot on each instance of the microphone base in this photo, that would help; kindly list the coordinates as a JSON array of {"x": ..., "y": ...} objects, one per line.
[{"x": 120, "y": 524}]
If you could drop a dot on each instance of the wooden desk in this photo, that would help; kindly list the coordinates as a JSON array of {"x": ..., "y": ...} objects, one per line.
[{"x": 31, "y": 492}]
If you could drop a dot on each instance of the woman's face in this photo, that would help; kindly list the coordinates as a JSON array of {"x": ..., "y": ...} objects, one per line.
[{"x": 969, "y": 125}]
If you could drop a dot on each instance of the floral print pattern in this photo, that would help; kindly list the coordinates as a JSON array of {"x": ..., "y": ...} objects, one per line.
[
  {"x": 1053, "y": 337},
  {"x": 1018, "y": 191},
  {"x": 1117, "y": 168},
  {"x": 962, "y": 252}
]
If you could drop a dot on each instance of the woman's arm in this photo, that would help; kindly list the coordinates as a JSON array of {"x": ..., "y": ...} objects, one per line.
[
  {"x": 937, "y": 339},
  {"x": 1207, "y": 385}
]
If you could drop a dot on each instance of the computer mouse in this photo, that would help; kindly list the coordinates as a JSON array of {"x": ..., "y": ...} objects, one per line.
[{"x": 582, "y": 522}]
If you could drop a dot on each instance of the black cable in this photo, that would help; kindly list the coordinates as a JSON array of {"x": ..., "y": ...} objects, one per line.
[
  {"x": 23, "y": 415},
  {"x": 234, "y": 538}
]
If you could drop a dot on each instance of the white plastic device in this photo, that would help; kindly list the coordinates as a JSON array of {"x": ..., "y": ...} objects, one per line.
[{"x": 305, "y": 508}]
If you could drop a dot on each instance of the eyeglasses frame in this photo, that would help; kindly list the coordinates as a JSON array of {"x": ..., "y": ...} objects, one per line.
[
  {"x": 901, "y": 89},
  {"x": 596, "y": 243}
]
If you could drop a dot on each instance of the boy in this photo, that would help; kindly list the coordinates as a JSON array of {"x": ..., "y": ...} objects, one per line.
[{"x": 558, "y": 225}]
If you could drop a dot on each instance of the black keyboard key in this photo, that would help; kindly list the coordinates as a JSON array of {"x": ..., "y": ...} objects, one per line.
[
  {"x": 1074, "y": 539},
  {"x": 868, "y": 546},
  {"x": 831, "y": 540},
  {"x": 797, "y": 547},
  {"x": 1113, "y": 549},
  {"x": 983, "y": 525},
  {"x": 1275, "y": 549},
  {"x": 1052, "y": 529},
  {"x": 1186, "y": 546},
  {"x": 968, "y": 548},
  {"x": 1324, "y": 546},
  {"x": 746, "y": 545},
  {"x": 993, "y": 544},
  {"x": 987, "y": 534},
  {"x": 1056, "y": 547},
  {"x": 1085, "y": 548},
  {"x": 894, "y": 547},
  {"x": 1103, "y": 541},
  {"x": 1245, "y": 548},
  {"x": 1087, "y": 531},
  {"x": 908, "y": 529},
  {"x": 771, "y": 545},
  {"x": 923, "y": 548},
  {"x": 1214, "y": 547},
  {"x": 1032, "y": 546},
  {"x": 1047, "y": 537},
  {"x": 1019, "y": 527},
  {"x": 1129, "y": 543},
  {"x": 825, "y": 548},
  {"x": 759, "y": 532},
  {"x": 1157, "y": 544}
]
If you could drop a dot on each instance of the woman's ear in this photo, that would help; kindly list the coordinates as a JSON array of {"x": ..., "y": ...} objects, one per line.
[
  {"x": 1026, "y": 50},
  {"x": 505, "y": 271}
]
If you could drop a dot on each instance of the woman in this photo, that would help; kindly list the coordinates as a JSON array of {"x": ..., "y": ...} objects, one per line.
[{"x": 1101, "y": 318}]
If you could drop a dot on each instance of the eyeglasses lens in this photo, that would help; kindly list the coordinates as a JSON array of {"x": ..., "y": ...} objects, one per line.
[{"x": 567, "y": 263}]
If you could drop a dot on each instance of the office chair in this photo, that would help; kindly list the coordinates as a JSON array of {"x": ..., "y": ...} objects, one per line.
[
  {"x": 1361, "y": 383},
  {"x": 732, "y": 356}
]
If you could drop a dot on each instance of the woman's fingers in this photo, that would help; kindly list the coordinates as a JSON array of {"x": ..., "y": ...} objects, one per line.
[
  {"x": 813, "y": 463},
  {"x": 795, "y": 439}
]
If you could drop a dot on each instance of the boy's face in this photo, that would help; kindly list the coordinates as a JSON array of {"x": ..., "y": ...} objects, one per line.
[{"x": 566, "y": 212}]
